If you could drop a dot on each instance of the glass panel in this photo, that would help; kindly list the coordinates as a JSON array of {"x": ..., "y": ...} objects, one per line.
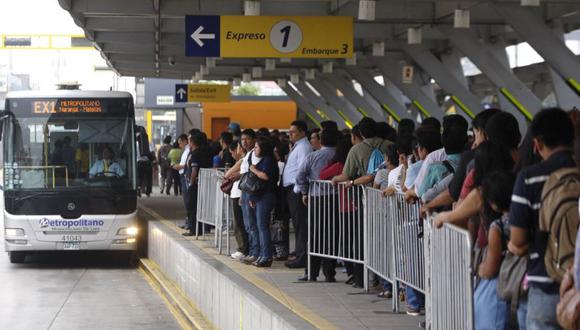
[{"x": 67, "y": 152}]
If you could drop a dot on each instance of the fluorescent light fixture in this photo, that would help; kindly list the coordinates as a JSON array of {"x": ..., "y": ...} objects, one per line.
[
  {"x": 378, "y": 48},
  {"x": 294, "y": 78},
  {"x": 252, "y": 8},
  {"x": 366, "y": 10},
  {"x": 282, "y": 82},
  {"x": 327, "y": 67},
  {"x": 351, "y": 61},
  {"x": 256, "y": 72},
  {"x": 531, "y": 3},
  {"x": 246, "y": 77},
  {"x": 414, "y": 36},
  {"x": 270, "y": 64},
  {"x": 461, "y": 19},
  {"x": 210, "y": 62},
  {"x": 309, "y": 74},
  {"x": 237, "y": 82}
]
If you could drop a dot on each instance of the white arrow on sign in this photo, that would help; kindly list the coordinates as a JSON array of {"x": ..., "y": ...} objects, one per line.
[
  {"x": 181, "y": 92},
  {"x": 198, "y": 37}
]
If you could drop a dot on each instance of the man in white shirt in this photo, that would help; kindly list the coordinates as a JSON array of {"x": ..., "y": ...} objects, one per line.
[
  {"x": 182, "y": 141},
  {"x": 298, "y": 211},
  {"x": 106, "y": 166}
]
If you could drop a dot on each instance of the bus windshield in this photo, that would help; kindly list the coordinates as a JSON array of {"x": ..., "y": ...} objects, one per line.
[{"x": 68, "y": 151}]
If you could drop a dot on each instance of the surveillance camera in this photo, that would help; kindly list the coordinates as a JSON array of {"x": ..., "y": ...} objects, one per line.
[{"x": 171, "y": 61}]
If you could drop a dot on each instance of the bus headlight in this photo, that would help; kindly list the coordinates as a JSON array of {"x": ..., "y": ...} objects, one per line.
[
  {"x": 129, "y": 231},
  {"x": 14, "y": 232}
]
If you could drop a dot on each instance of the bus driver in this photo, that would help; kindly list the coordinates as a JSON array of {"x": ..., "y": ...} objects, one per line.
[{"x": 106, "y": 166}]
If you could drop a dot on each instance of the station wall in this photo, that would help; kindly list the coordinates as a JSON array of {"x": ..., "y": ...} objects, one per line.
[{"x": 249, "y": 114}]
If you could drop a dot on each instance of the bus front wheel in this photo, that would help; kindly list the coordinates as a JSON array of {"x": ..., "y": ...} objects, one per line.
[{"x": 17, "y": 257}]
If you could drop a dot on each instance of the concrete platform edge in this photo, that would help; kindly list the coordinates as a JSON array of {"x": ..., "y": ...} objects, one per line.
[{"x": 225, "y": 298}]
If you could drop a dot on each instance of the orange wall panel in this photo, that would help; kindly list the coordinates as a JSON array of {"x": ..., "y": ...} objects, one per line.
[{"x": 251, "y": 114}]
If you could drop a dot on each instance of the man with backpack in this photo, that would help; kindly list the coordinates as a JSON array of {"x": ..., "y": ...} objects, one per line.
[
  {"x": 363, "y": 158},
  {"x": 532, "y": 208}
]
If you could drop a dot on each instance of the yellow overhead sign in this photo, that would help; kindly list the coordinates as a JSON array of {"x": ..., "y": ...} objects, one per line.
[
  {"x": 204, "y": 93},
  {"x": 270, "y": 36}
]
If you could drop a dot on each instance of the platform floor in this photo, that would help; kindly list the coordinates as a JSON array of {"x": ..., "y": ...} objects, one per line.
[{"x": 325, "y": 305}]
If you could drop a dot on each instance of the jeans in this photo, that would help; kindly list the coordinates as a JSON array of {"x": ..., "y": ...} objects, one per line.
[
  {"x": 264, "y": 207},
  {"x": 239, "y": 227},
  {"x": 522, "y": 314},
  {"x": 490, "y": 310},
  {"x": 415, "y": 299},
  {"x": 184, "y": 186},
  {"x": 542, "y": 310},
  {"x": 251, "y": 226}
]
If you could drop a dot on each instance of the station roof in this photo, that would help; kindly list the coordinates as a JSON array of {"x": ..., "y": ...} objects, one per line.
[{"x": 138, "y": 37}]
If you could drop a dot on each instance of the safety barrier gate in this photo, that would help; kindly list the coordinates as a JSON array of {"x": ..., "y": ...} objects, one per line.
[
  {"x": 379, "y": 243},
  {"x": 449, "y": 283},
  {"x": 398, "y": 246},
  {"x": 214, "y": 208},
  {"x": 336, "y": 222}
]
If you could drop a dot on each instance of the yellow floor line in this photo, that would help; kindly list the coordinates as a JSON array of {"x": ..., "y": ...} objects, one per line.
[
  {"x": 186, "y": 310},
  {"x": 183, "y": 323},
  {"x": 250, "y": 274}
]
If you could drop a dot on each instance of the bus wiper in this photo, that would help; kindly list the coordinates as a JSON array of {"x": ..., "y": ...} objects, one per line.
[{"x": 23, "y": 198}]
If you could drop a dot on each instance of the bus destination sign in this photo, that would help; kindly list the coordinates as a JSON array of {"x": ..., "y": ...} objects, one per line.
[{"x": 67, "y": 106}]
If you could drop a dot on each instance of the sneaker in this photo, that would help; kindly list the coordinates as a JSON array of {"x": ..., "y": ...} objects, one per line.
[
  {"x": 385, "y": 294},
  {"x": 413, "y": 311},
  {"x": 249, "y": 260},
  {"x": 238, "y": 255}
]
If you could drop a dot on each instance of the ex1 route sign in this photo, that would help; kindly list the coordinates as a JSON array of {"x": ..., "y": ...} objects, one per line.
[
  {"x": 269, "y": 36},
  {"x": 202, "y": 93}
]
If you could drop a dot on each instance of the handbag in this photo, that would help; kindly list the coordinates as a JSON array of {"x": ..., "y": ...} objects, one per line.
[
  {"x": 226, "y": 186},
  {"x": 250, "y": 183},
  {"x": 510, "y": 278},
  {"x": 568, "y": 310}
]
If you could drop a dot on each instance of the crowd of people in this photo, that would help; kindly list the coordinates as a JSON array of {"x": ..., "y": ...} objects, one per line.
[{"x": 517, "y": 197}]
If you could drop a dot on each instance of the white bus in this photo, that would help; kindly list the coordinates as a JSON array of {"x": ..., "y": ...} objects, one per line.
[{"x": 67, "y": 166}]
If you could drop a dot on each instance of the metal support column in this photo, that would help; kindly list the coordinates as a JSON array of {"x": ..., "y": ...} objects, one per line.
[
  {"x": 388, "y": 102},
  {"x": 500, "y": 75},
  {"x": 320, "y": 103},
  {"x": 460, "y": 95},
  {"x": 303, "y": 105},
  {"x": 346, "y": 87},
  {"x": 566, "y": 97},
  {"x": 421, "y": 100},
  {"x": 342, "y": 106},
  {"x": 548, "y": 44}
]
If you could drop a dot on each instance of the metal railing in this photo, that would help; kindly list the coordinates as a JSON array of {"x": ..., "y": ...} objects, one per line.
[
  {"x": 449, "y": 284},
  {"x": 379, "y": 243},
  {"x": 336, "y": 222},
  {"x": 213, "y": 207},
  {"x": 396, "y": 245},
  {"x": 408, "y": 241}
]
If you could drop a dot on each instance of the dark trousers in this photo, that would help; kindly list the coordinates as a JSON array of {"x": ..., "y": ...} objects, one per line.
[
  {"x": 183, "y": 183},
  {"x": 192, "y": 207},
  {"x": 239, "y": 228},
  {"x": 299, "y": 214},
  {"x": 323, "y": 237},
  {"x": 172, "y": 179},
  {"x": 145, "y": 177}
]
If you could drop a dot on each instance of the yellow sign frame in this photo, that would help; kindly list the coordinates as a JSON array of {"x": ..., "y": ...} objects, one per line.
[
  {"x": 286, "y": 36},
  {"x": 208, "y": 93}
]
